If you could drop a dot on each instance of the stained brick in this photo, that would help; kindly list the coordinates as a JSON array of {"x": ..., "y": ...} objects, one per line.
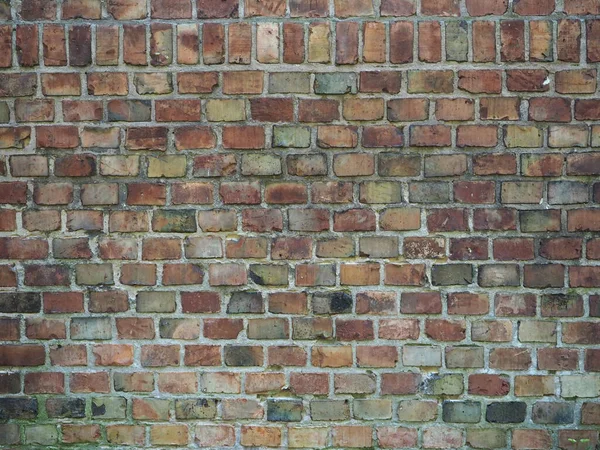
[{"x": 285, "y": 165}]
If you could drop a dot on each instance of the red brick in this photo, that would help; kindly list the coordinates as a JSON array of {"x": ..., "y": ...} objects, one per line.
[
  {"x": 527, "y": 80},
  {"x": 27, "y": 45},
  {"x": 161, "y": 248},
  {"x": 267, "y": 8},
  {"x": 531, "y": 439},
  {"x": 354, "y": 220},
  {"x": 440, "y": 8},
  {"x": 430, "y": 42},
  {"x": 374, "y": 42},
  {"x": 58, "y": 136},
  {"x": 488, "y": 385},
  {"x": 480, "y": 81},
  {"x": 353, "y": 164},
  {"x": 293, "y": 40},
  {"x": 382, "y": 136},
  {"x": 352, "y": 8},
  {"x": 187, "y": 138},
  {"x": 127, "y": 9},
  {"x": 404, "y": 274},
  {"x": 381, "y": 81},
  {"x": 401, "y": 42},
  {"x": 447, "y": 220},
  {"x": 331, "y": 192},
  {"x": 318, "y": 8},
  {"x": 213, "y": 43},
  {"x": 37, "y": 9},
  {"x": 146, "y": 194},
  {"x": 346, "y": 42},
  {"x": 6, "y": 46},
  {"x": 84, "y": 110},
  {"x": 80, "y": 45},
  {"x": 337, "y": 136},
  {"x": 107, "y": 45},
  {"x": 363, "y": 109},
  {"x": 214, "y": 9},
  {"x": 134, "y": 44},
  {"x": 484, "y": 41},
  {"x": 420, "y": 303},
  {"x": 430, "y": 136},
  {"x": 90, "y": 382},
  {"x": 466, "y": 303},
  {"x": 54, "y": 45},
  {"x": 309, "y": 383},
  {"x": 534, "y": 7},
  {"x": 510, "y": 359},
  {"x": 584, "y": 276},
  {"x": 240, "y": 193},
  {"x": 590, "y": 413},
  {"x": 135, "y": 328},
  {"x": 492, "y": 7},
  {"x": 557, "y": 359},
  {"x": 401, "y": 383},
  {"x": 569, "y": 40},
  {"x": 550, "y": 109},
  {"x": 13, "y": 193},
  {"x": 107, "y": 83},
  {"x": 581, "y": 333},
  {"x": 399, "y": 329},
  {"x": 396, "y": 437},
  {"x": 477, "y": 136},
  {"x": 376, "y": 356},
  {"x": 321, "y": 110},
  {"x": 454, "y": 109},
  {"x": 108, "y": 301},
  {"x": 445, "y": 330},
  {"x": 200, "y": 302},
  {"x": 512, "y": 39},
  {"x": 243, "y": 137},
  {"x": 475, "y": 192},
  {"x": 272, "y": 109},
  {"x": 291, "y": 248},
  {"x": 581, "y": 7},
  {"x": 171, "y": 9}
]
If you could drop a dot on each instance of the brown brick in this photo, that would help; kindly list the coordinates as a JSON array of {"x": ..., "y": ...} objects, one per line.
[
  {"x": 54, "y": 44},
  {"x": 512, "y": 40},
  {"x": 430, "y": 41},
  {"x": 569, "y": 40},
  {"x": 484, "y": 42},
  {"x": 27, "y": 45},
  {"x": 401, "y": 42}
]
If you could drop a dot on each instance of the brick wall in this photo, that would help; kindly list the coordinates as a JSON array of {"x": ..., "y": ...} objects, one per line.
[{"x": 301, "y": 223}]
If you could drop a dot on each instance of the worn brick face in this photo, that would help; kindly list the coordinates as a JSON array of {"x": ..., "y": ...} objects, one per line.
[{"x": 314, "y": 218}]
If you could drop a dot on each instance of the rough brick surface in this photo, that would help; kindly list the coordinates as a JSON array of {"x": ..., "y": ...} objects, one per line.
[{"x": 300, "y": 224}]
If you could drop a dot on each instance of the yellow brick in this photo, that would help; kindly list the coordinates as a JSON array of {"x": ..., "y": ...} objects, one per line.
[
  {"x": 166, "y": 166},
  {"x": 522, "y": 136},
  {"x": 225, "y": 110}
]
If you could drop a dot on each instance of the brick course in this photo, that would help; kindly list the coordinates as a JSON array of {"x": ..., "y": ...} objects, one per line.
[{"x": 299, "y": 224}]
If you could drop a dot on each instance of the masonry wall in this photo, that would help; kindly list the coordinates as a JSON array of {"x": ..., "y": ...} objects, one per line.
[{"x": 301, "y": 224}]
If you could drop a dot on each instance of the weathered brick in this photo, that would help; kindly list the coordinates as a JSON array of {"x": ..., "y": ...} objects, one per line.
[
  {"x": 80, "y": 40},
  {"x": 277, "y": 229}
]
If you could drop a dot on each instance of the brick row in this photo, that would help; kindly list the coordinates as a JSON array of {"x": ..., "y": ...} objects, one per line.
[
  {"x": 33, "y": 10},
  {"x": 300, "y": 224},
  {"x": 369, "y": 42},
  {"x": 392, "y": 436},
  {"x": 149, "y": 85}
]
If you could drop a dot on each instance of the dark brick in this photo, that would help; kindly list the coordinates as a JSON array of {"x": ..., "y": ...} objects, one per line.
[
  {"x": 284, "y": 410},
  {"x": 23, "y": 302},
  {"x": 506, "y": 412},
  {"x": 18, "y": 408}
]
